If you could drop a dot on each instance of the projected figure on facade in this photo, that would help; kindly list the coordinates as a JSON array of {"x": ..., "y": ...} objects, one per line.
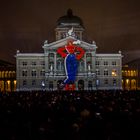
[{"x": 72, "y": 54}]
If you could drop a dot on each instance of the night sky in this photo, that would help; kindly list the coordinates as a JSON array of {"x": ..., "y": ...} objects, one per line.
[{"x": 113, "y": 24}]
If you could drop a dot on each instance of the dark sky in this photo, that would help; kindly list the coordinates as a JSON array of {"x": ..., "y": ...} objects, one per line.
[{"x": 113, "y": 24}]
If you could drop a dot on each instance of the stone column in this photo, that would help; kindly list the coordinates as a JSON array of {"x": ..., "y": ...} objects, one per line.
[
  {"x": 55, "y": 85},
  {"x": 46, "y": 62},
  {"x": 55, "y": 62},
  {"x": 85, "y": 63},
  {"x": 86, "y": 84},
  {"x": 76, "y": 85}
]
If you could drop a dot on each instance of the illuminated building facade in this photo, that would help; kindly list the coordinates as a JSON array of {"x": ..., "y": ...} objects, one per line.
[
  {"x": 46, "y": 71},
  {"x": 130, "y": 76},
  {"x": 7, "y": 77}
]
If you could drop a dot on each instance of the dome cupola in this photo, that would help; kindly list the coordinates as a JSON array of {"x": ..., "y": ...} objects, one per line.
[
  {"x": 69, "y": 19},
  {"x": 68, "y": 22}
]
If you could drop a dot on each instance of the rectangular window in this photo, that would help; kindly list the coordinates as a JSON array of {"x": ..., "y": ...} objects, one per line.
[
  {"x": 24, "y": 63},
  {"x": 33, "y": 83},
  {"x": 106, "y": 72},
  {"x": 114, "y": 72},
  {"x": 97, "y": 63},
  {"x": 42, "y": 63},
  {"x": 33, "y": 63},
  {"x": 105, "y": 63},
  {"x": 42, "y": 73},
  {"x": 24, "y": 73},
  {"x": 24, "y": 83},
  {"x": 106, "y": 81},
  {"x": 97, "y": 82},
  {"x": 97, "y": 72},
  {"x": 114, "y": 63},
  {"x": 33, "y": 73},
  {"x": 114, "y": 82}
]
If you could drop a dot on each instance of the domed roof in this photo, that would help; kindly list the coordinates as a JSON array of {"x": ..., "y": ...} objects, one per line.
[{"x": 69, "y": 19}]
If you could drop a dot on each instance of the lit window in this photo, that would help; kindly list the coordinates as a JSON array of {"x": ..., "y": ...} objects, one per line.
[
  {"x": 128, "y": 73},
  {"x": 132, "y": 73},
  {"x": 127, "y": 81},
  {"x": 114, "y": 73},
  {"x": 135, "y": 74}
]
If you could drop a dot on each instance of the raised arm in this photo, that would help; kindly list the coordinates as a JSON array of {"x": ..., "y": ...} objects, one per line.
[
  {"x": 80, "y": 54},
  {"x": 62, "y": 52}
]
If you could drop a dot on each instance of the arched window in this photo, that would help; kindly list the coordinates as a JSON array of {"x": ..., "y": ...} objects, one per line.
[
  {"x": 13, "y": 74},
  {"x": 89, "y": 57},
  {"x": 10, "y": 74},
  {"x": 15, "y": 85},
  {"x": 127, "y": 84},
  {"x": 59, "y": 82},
  {"x": 51, "y": 58},
  {"x": 133, "y": 84},
  {"x": 58, "y": 65},
  {"x": 89, "y": 66},
  {"x": 135, "y": 73},
  {"x": 6, "y": 74},
  {"x": 50, "y": 85},
  {"x": 126, "y": 73},
  {"x": 81, "y": 85},
  {"x": 132, "y": 73},
  {"x": 129, "y": 74},
  {"x": 8, "y": 85},
  {"x": 51, "y": 55},
  {"x": 2, "y": 88},
  {"x": 123, "y": 83},
  {"x": 81, "y": 65},
  {"x": 2, "y": 75}
]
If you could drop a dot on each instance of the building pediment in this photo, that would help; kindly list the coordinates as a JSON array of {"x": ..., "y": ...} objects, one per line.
[{"x": 63, "y": 42}]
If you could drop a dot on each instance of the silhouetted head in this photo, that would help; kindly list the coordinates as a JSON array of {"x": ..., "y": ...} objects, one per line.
[{"x": 70, "y": 47}]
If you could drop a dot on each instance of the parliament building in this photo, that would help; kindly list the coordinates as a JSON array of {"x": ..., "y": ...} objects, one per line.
[{"x": 46, "y": 71}]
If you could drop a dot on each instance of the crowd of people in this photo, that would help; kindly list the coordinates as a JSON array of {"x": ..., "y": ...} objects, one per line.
[{"x": 74, "y": 115}]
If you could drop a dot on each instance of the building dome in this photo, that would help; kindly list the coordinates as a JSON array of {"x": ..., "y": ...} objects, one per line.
[{"x": 69, "y": 19}]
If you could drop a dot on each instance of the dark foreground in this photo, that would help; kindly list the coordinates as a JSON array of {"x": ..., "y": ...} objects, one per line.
[{"x": 83, "y": 115}]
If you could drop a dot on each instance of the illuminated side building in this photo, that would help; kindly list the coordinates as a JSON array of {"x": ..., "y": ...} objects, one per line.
[
  {"x": 130, "y": 75},
  {"x": 47, "y": 71},
  {"x": 7, "y": 77}
]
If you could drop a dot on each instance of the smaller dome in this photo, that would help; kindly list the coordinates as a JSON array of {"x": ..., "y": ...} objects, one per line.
[{"x": 69, "y": 19}]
